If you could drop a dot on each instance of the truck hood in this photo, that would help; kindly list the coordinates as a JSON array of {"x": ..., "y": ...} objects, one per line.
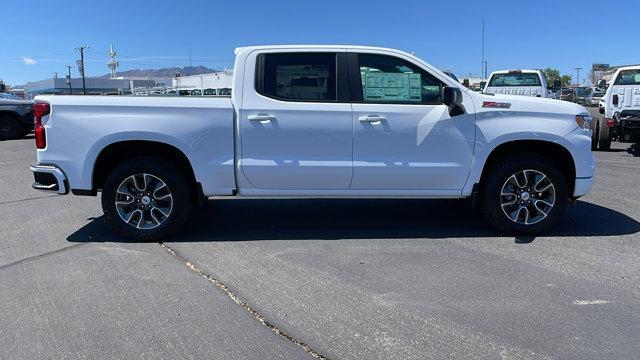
[{"x": 530, "y": 104}]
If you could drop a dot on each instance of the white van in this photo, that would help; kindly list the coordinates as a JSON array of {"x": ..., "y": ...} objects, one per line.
[{"x": 518, "y": 82}]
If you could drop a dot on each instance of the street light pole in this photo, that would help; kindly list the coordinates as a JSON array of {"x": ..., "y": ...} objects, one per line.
[
  {"x": 578, "y": 75},
  {"x": 81, "y": 67},
  {"x": 482, "y": 63},
  {"x": 69, "y": 78}
]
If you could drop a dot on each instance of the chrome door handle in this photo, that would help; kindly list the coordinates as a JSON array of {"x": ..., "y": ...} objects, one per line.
[
  {"x": 372, "y": 118},
  {"x": 261, "y": 117}
]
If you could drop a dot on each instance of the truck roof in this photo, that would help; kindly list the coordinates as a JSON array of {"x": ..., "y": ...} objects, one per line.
[
  {"x": 632, "y": 67},
  {"x": 239, "y": 50},
  {"x": 516, "y": 70}
]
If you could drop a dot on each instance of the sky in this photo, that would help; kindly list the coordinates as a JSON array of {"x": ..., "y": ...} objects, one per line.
[{"x": 39, "y": 39}]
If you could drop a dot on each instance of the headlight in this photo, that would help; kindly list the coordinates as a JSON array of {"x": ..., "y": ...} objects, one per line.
[{"x": 584, "y": 121}]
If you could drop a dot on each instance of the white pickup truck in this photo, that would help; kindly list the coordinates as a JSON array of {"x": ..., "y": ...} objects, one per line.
[
  {"x": 317, "y": 121},
  {"x": 520, "y": 82}
]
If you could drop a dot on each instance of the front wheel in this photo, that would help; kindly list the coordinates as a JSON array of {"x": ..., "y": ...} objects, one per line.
[
  {"x": 524, "y": 195},
  {"x": 146, "y": 199}
]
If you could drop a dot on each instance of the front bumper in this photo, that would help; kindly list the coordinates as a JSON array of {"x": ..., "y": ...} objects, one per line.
[
  {"x": 49, "y": 178},
  {"x": 582, "y": 187}
]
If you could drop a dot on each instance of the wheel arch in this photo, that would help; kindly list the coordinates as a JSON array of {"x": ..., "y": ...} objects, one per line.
[
  {"x": 552, "y": 151},
  {"x": 115, "y": 153}
]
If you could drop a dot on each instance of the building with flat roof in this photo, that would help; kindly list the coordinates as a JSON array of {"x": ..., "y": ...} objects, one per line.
[
  {"x": 94, "y": 86},
  {"x": 217, "y": 80}
]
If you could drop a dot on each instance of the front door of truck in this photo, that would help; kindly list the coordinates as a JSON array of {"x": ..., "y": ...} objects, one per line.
[
  {"x": 296, "y": 122},
  {"x": 404, "y": 137}
]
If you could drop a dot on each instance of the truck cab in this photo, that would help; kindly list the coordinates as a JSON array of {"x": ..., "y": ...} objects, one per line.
[{"x": 518, "y": 82}]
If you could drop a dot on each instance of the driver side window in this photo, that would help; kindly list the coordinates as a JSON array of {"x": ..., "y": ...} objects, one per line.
[{"x": 386, "y": 79}]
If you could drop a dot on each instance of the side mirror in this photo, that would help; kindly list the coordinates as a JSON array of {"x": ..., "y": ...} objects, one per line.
[
  {"x": 556, "y": 85},
  {"x": 614, "y": 100},
  {"x": 452, "y": 97},
  {"x": 602, "y": 84},
  {"x": 601, "y": 110}
]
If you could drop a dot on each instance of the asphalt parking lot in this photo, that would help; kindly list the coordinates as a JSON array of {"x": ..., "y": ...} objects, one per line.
[{"x": 331, "y": 278}]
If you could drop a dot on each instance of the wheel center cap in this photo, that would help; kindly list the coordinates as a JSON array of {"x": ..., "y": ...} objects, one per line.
[
  {"x": 146, "y": 200},
  {"x": 525, "y": 196}
]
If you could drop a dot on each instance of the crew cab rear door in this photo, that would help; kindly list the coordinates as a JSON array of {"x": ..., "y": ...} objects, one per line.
[
  {"x": 296, "y": 121},
  {"x": 404, "y": 137}
]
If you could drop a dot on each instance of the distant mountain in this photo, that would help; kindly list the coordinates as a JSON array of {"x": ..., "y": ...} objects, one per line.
[{"x": 166, "y": 73}]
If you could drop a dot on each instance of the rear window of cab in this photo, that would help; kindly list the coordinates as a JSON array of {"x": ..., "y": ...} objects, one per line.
[{"x": 515, "y": 79}]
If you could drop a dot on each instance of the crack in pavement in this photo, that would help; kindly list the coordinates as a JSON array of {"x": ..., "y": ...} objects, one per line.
[
  {"x": 246, "y": 306},
  {"x": 31, "y": 198},
  {"x": 40, "y": 256}
]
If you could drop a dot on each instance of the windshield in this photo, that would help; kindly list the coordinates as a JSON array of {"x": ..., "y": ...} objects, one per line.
[
  {"x": 451, "y": 75},
  {"x": 515, "y": 79},
  {"x": 628, "y": 77},
  {"x": 10, "y": 96}
]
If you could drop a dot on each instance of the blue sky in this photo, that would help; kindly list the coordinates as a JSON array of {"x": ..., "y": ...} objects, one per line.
[{"x": 38, "y": 37}]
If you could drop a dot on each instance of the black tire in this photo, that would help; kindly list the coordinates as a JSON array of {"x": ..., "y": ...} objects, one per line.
[
  {"x": 594, "y": 134},
  {"x": 9, "y": 128},
  {"x": 604, "y": 140},
  {"x": 176, "y": 182},
  {"x": 497, "y": 176}
]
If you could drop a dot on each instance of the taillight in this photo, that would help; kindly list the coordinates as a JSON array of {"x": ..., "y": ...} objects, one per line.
[
  {"x": 610, "y": 122},
  {"x": 40, "y": 109}
]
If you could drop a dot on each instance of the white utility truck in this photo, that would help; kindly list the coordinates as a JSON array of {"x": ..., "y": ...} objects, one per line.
[
  {"x": 621, "y": 109},
  {"x": 520, "y": 82},
  {"x": 317, "y": 121}
]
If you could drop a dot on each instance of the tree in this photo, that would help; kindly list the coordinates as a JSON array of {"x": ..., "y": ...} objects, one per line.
[
  {"x": 565, "y": 80},
  {"x": 551, "y": 75}
]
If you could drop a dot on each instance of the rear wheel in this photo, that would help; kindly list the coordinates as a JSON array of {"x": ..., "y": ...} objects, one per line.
[
  {"x": 524, "y": 194},
  {"x": 146, "y": 199},
  {"x": 9, "y": 128},
  {"x": 604, "y": 140}
]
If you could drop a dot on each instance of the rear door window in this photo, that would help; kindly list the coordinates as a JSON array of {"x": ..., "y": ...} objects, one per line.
[{"x": 297, "y": 76}]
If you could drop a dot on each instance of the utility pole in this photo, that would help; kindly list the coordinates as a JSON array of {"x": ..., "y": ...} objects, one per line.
[
  {"x": 69, "y": 78},
  {"x": 81, "y": 67},
  {"x": 578, "y": 75},
  {"x": 482, "y": 71}
]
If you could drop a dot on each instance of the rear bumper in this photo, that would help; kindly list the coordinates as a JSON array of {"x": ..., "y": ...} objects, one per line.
[{"x": 49, "y": 178}]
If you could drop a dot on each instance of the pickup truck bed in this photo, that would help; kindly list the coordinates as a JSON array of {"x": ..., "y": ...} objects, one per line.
[{"x": 84, "y": 126}]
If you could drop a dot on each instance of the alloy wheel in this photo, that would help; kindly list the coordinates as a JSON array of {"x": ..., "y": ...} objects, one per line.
[
  {"x": 527, "y": 197},
  {"x": 144, "y": 201}
]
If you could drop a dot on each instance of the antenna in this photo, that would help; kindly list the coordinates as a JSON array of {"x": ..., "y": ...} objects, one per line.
[
  {"x": 189, "y": 57},
  {"x": 112, "y": 64}
]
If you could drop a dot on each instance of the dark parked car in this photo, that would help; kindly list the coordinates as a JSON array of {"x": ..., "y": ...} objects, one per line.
[
  {"x": 567, "y": 95},
  {"x": 16, "y": 116}
]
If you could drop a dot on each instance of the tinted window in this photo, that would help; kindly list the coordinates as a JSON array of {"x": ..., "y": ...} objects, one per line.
[
  {"x": 628, "y": 77},
  {"x": 389, "y": 79},
  {"x": 515, "y": 79},
  {"x": 303, "y": 76}
]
